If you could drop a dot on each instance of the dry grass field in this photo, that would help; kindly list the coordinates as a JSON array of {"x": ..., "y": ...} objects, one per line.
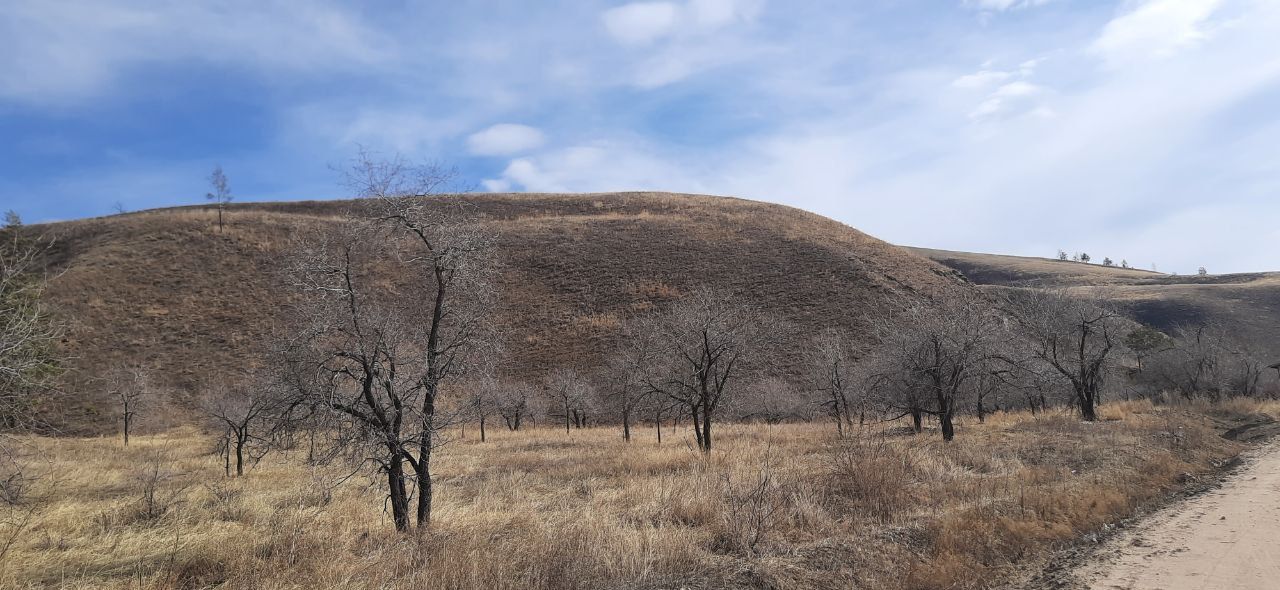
[{"x": 786, "y": 506}]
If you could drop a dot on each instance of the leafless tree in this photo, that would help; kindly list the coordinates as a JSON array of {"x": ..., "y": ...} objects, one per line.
[
  {"x": 771, "y": 400},
  {"x": 1204, "y": 360},
  {"x": 221, "y": 193},
  {"x": 830, "y": 358},
  {"x": 570, "y": 396},
  {"x": 940, "y": 348},
  {"x": 708, "y": 337},
  {"x": 242, "y": 412},
  {"x": 378, "y": 349},
  {"x": 132, "y": 389},
  {"x": 28, "y": 333},
  {"x": 1073, "y": 338},
  {"x": 658, "y": 406},
  {"x": 627, "y": 392},
  {"x": 512, "y": 402},
  {"x": 482, "y": 400}
]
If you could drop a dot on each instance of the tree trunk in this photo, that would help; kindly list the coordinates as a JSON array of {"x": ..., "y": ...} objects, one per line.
[
  {"x": 706, "y": 431},
  {"x": 1088, "y": 405},
  {"x": 697, "y": 428},
  {"x": 425, "y": 491},
  {"x": 240, "y": 441},
  {"x": 126, "y": 430},
  {"x": 481, "y": 427},
  {"x": 982, "y": 412},
  {"x": 396, "y": 491},
  {"x": 917, "y": 420},
  {"x": 425, "y": 446},
  {"x": 626, "y": 425},
  {"x": 948, "y": 428}
]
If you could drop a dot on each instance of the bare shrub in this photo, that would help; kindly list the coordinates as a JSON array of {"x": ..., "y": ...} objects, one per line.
[
  {"x": 159, "y": 491},
  {"x": 225, "y": 499},
  {"x": 872, "y": 476},
  {"x": 752, "y": 507}
]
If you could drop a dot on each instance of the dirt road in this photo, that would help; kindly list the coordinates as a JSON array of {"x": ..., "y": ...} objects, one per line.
[{"x": 1228, "y": 538}]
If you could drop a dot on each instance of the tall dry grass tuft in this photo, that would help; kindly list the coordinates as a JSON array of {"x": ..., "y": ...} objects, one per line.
[{"x": 788, "y": 506}]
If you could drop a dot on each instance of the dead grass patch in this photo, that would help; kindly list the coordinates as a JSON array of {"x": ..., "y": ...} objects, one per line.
[{"x": 788, "y": 506}]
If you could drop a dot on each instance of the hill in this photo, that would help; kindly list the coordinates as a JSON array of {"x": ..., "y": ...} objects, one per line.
[
  {"x": 166, "y": 288},
  {"x": 1247, "y": 305}
]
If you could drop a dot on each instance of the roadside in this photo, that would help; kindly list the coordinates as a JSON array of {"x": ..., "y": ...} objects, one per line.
[{"x": 1220, "y": 535}]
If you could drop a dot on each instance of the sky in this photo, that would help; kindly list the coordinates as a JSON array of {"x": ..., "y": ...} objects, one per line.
[{"x": 1140, "y": 130}]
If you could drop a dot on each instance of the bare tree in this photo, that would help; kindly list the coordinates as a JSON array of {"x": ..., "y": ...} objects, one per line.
[
  {"x": 771, "y": 400},
  {"x": 28, "y": 333},
  {"x": 570, "y": 395},
  {"x": 242, "y": 412},
  {"x": 708, "y": 336},
  {"x": 1204, "y": 360},
  {"x": 482, "y": 400},
  {"x": 512, "y": 402},
  {"x": 1073, "y": 338},
  {"x": 221, "y": 194},
  {"x": 939, "y": 347},
  {"x": 377, "y": 353},
  {"x": 628, "y": 392},
  {"x": 131, "y": 388},
  {"x": 830, "y": 358},
  {"x": 658, "y": 405}
]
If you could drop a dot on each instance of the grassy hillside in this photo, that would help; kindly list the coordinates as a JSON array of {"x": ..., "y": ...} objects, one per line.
[
  {"x": 165, "y": 287},
  {"x": 1247, "y": 304}
]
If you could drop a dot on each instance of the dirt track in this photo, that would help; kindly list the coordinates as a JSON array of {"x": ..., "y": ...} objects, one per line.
[{"x": 1228, "y": 538}]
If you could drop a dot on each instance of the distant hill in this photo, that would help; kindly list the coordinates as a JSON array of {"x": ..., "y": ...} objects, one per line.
[
  {"x": 164, "y": 287},
  {"x": 1246, "y": 304}
]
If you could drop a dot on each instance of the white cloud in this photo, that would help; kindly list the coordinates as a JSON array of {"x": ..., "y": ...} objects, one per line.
[
  {"x": 640, "y": 22},
  {"x": 598, "y": 166},
  {"x": 505, "y": 139},
  {"x": 1155, "y": 29}
]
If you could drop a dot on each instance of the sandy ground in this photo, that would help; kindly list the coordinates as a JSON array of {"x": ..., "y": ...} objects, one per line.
[{"x": 1228, "y": 538}]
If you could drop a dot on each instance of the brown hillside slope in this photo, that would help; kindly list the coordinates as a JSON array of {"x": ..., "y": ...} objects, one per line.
[
  {"x": 165, "y": 287},
  {"x": 1247, "y": 305}
]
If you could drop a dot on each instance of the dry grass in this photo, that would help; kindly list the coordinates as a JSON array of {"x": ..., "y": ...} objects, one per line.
[{"x": 786, "y": 506}]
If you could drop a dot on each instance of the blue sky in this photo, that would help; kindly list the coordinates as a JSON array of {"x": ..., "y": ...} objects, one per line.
[{"x": 1145, "y": 130}]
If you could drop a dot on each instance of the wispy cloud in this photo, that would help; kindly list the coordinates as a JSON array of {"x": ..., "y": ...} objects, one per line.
[
  {"x": 1155, "y": 29},
  {"x": 73, "y": 50},
  {"x": 1020, "y": 126}
]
